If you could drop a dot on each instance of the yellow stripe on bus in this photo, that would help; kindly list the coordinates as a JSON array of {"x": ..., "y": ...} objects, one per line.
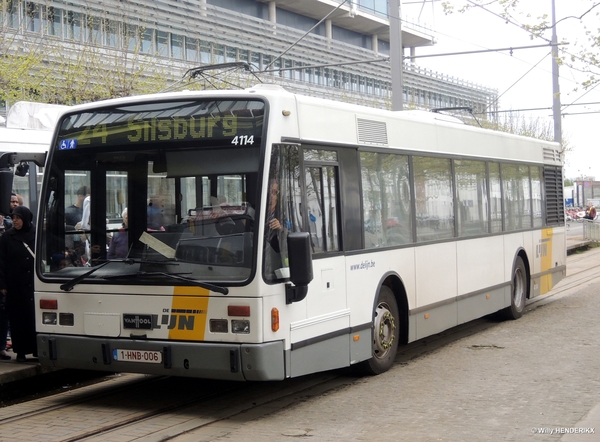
[
  {"x": 190, "y": 305},
  {"x": 546, "y": 263}
]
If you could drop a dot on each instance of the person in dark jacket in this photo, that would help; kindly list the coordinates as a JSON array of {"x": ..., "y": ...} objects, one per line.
[
  {"x": 16, "y": 281},
  {"x": 5, "y": 224}
]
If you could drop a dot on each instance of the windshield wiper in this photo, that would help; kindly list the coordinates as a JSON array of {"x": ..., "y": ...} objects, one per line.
[
  {"x": 68, "y": 286},
  {"x": 177, "y": 276}
]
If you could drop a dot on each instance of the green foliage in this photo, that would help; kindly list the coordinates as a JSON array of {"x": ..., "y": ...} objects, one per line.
[{"x": 49, "y": 70}]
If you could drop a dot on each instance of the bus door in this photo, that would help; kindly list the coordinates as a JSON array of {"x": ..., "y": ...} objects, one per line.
[{"x": 322, "y": 220}]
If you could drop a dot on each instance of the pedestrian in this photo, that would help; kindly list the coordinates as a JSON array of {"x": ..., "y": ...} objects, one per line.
[
  {"x": 5, "y": 224},
  {"x": 590, "y": 213},
  {"x": 16, "y": 281},
  {"x": 4, "y": 356},
  {"x": 14, "y": 201}
]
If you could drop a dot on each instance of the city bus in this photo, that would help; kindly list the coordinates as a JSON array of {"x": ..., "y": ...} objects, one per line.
[
  {"x": 22, "y": 155},
  {"x": 259, "y": 235}
]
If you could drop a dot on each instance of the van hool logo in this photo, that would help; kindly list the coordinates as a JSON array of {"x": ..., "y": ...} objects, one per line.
[
  {"x": 137, "y": 321},
  {"x": 180, "y": 319}
]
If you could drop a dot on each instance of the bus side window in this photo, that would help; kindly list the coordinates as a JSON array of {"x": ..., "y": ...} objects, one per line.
[{"x": 321, "y": 198}]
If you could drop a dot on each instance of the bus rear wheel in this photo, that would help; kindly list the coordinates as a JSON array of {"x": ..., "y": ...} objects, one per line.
[
  {"x": 518, "y": 291},
  {"x": 386, "y": 334}
]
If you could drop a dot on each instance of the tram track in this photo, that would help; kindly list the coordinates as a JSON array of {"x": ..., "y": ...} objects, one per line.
[
  {"x": 155, "y": 408},
  {"x": 253, "y": 400},
  {"x": 79, "y": 397}
]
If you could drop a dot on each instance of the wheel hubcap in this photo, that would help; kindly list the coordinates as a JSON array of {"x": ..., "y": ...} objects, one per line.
[{"x": 384, "y": 333}]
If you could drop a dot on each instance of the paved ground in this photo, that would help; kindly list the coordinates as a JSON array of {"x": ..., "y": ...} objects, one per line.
[{"x": 532, "y": 379}]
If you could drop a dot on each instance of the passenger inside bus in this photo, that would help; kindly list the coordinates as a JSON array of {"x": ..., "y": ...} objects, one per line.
[
  {"x": 155, "y": 213},
  {"x": 119, "y": 244},
  {"x": 275, "y": 233}
]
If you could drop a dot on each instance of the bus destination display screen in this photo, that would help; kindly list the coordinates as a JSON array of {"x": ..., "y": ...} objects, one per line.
[{"x": 224, "y": 122}]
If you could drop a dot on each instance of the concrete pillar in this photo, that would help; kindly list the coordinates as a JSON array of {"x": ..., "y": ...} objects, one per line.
[
  {"x": 328, "y": 32},
  {"x": 396, "y": 54},
  {"x": 273, "y": 15},
  {"x": 375, "y": 43},
  {"x": 328, "y": 29}
]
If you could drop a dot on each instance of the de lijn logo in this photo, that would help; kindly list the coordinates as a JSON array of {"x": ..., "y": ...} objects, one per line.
[{"x": 175, "y": 320}]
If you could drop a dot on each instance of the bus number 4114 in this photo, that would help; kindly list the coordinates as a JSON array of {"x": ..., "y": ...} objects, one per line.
[{"x": 243, "y": 140}]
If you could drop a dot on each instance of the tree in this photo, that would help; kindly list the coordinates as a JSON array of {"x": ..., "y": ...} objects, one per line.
[
  {"x": 518, "y": 124},
  {"x": 63, "y": 61},
  {"x": 18, "y": 61}
]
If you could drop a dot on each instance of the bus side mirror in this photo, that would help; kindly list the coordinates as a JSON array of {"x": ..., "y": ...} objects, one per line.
[
  {"x": 6, "y": 183},
  {"x": 300, "y": 261}
]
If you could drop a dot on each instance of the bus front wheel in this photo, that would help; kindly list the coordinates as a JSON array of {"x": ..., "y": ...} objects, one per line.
[
  {"x": 518, "y": 291},
  {"x": 386, "y": 333}
]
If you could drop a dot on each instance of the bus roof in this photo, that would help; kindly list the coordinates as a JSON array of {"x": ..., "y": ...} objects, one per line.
[
  {"x": 24, "y": 140},
  {"x": 328, "y": 121},
  {"x": 31, "y": 115}
]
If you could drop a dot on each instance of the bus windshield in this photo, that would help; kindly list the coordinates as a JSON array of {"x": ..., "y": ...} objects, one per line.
[{"x": 174, "y": 190}]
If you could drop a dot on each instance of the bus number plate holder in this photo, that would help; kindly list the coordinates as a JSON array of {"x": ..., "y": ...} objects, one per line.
[{"x": 128, "y": 355}]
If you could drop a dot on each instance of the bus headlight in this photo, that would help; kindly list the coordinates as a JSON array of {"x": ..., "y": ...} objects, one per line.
[
  {"x": 240, "y": 326},
  {"x": 49, "y": 318}
]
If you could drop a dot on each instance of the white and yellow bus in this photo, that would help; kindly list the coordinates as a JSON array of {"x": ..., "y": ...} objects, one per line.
[{"x": 271, "y": 235}]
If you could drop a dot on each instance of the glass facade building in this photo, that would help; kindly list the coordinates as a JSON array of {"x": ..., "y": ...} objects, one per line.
[{"x": 287, "y": 42}]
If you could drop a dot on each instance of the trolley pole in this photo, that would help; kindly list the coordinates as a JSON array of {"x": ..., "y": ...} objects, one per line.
[{"x": 396, "y": 54}]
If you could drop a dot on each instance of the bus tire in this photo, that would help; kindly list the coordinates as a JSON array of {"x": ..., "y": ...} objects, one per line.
[
  {"x": 386, "y": 334},
  {"x": 518, "y": 295}
]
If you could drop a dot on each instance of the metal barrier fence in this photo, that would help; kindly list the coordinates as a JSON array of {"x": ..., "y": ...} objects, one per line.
[{"x": 591, "y": 230}]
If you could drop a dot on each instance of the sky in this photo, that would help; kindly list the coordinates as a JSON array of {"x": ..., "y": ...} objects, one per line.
[{"x": 523, "y": 79}]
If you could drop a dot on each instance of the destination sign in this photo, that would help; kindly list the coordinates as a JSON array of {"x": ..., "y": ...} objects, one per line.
[{"x": 232, "y": 122}]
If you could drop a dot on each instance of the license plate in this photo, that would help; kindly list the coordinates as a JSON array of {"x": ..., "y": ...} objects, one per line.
[{"x": 151, "y": 357}]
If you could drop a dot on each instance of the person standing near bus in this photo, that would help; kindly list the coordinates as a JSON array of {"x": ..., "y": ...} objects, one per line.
[
  {"x": 14, "y": 201},
  {"x": 4, "y": 226},
  {"x": 16, "y": 281},
  {"x": 590, "y": 213}
]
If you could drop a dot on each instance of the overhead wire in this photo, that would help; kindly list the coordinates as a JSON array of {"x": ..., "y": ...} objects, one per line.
[
  {"x": 540, "y": 36},
  {"x": 520, "y": 78}
]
